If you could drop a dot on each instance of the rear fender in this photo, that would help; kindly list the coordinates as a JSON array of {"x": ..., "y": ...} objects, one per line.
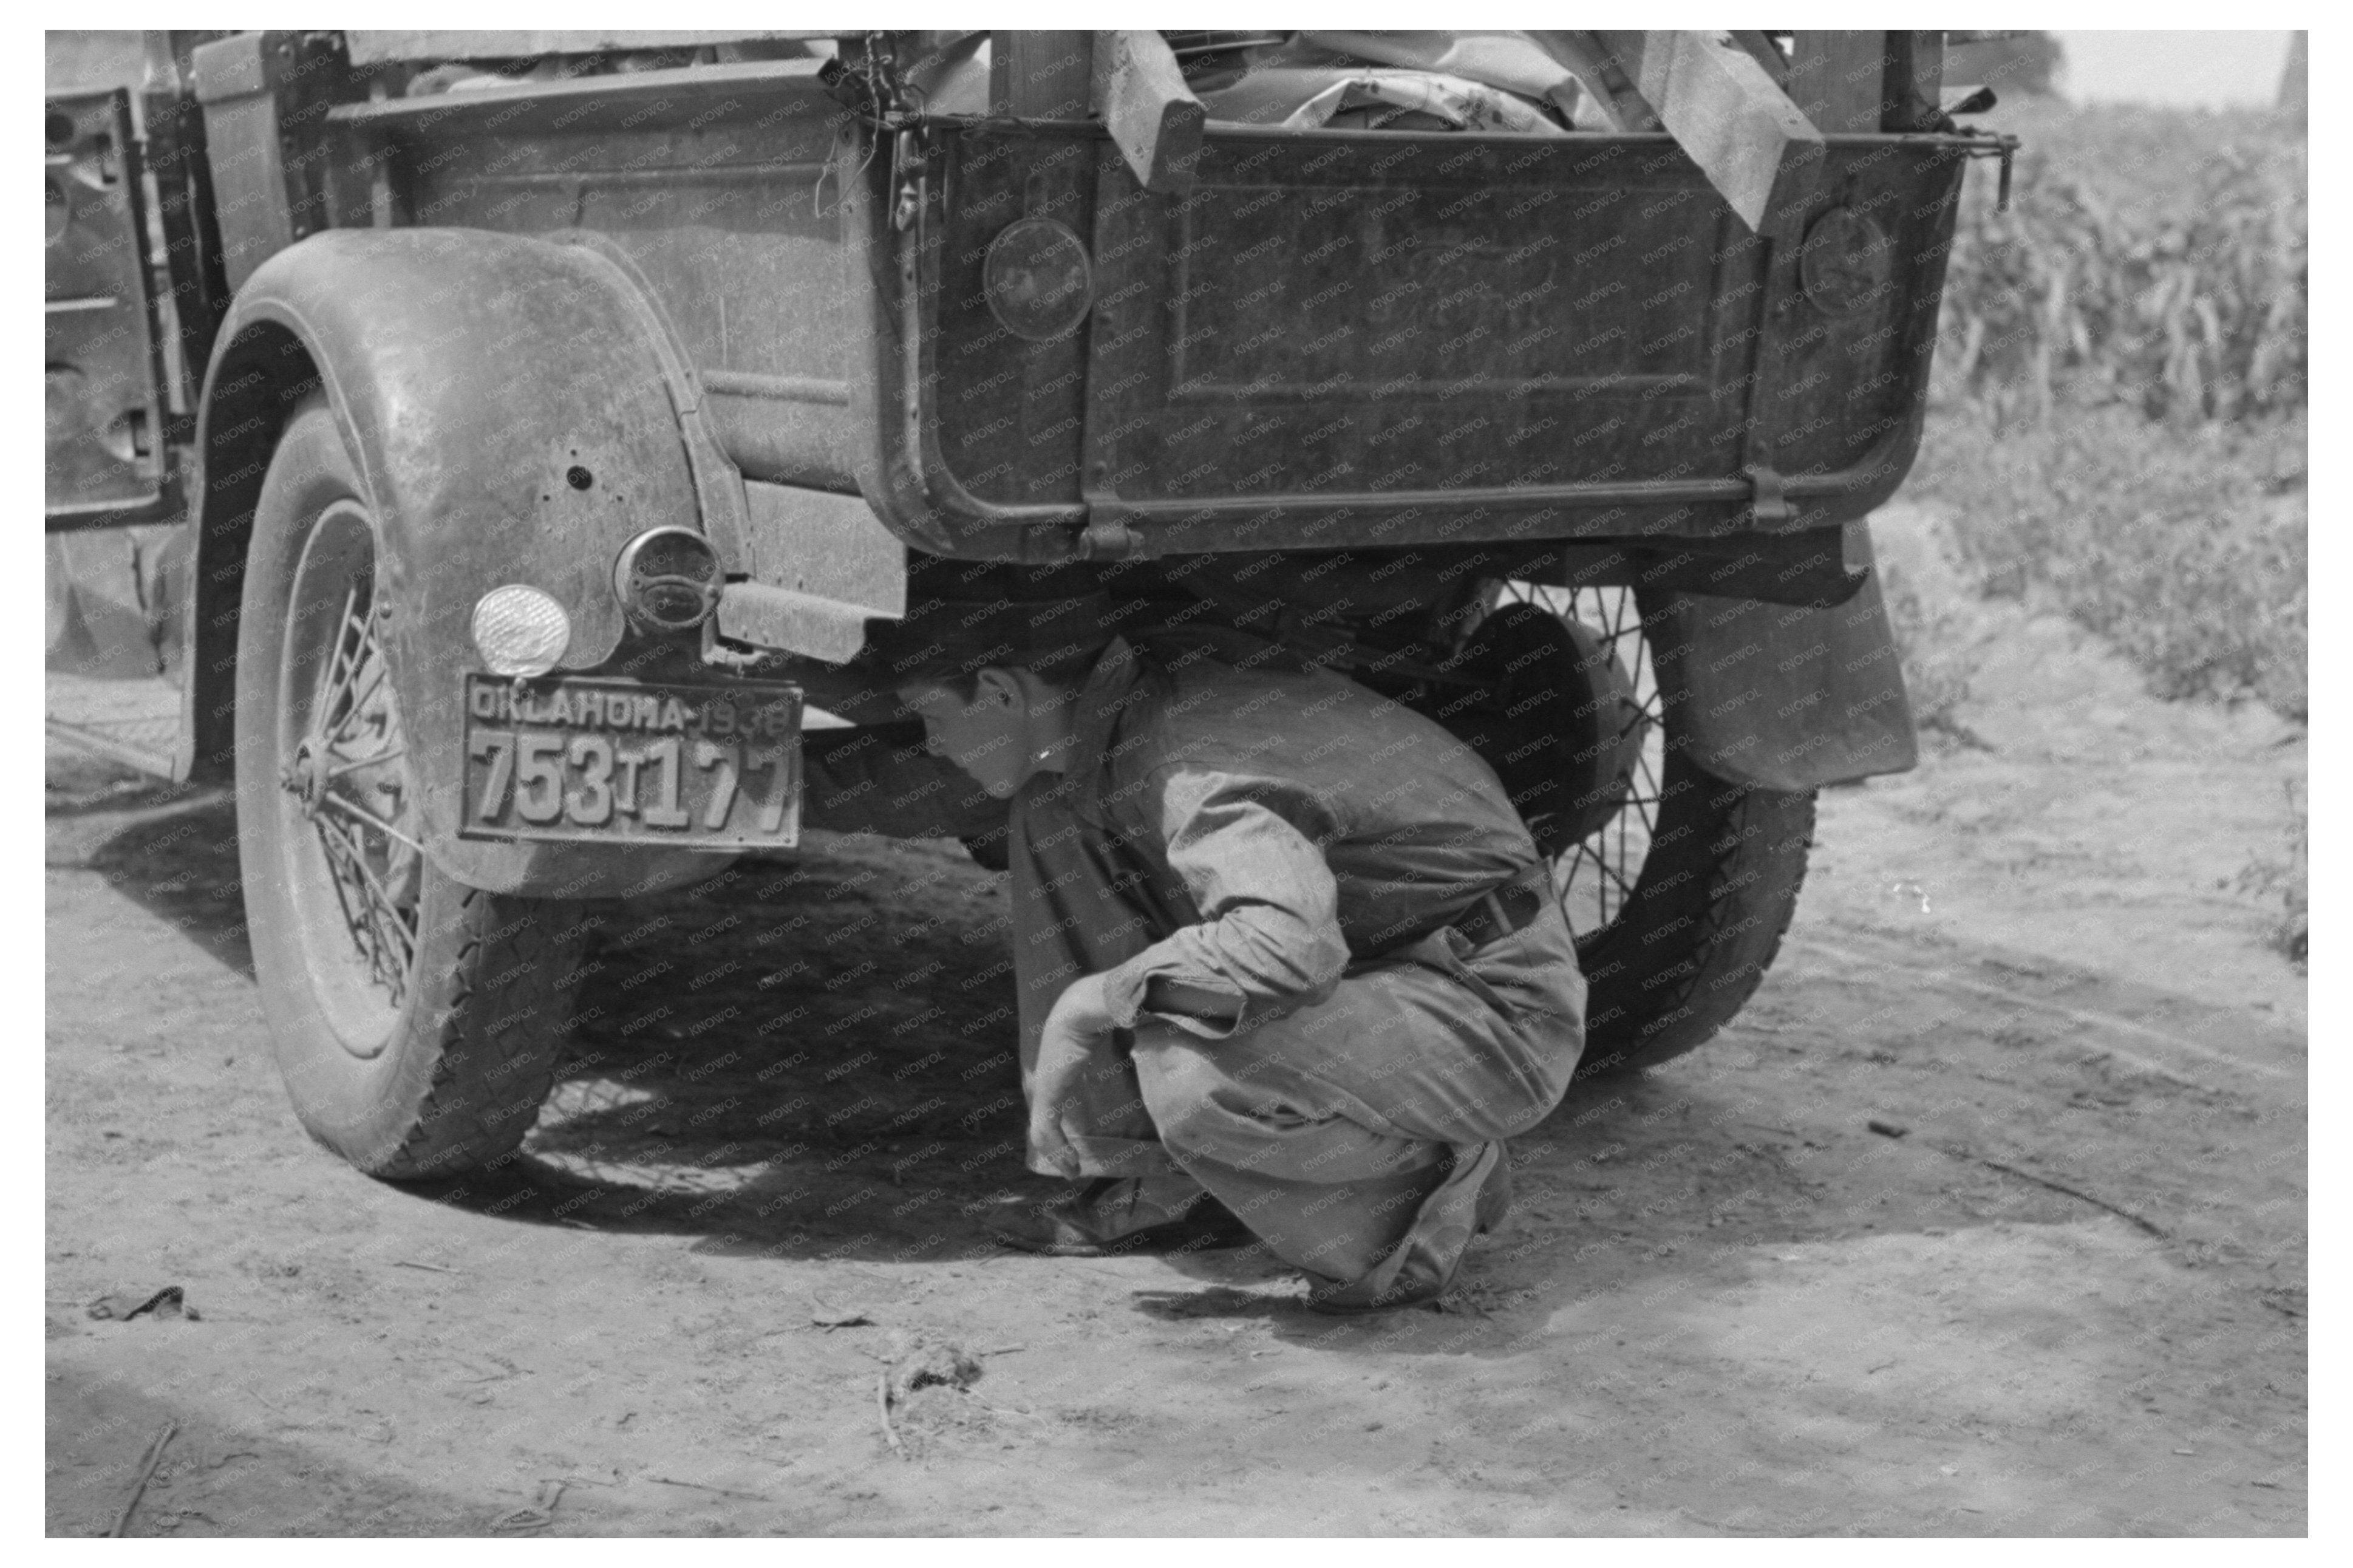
[
  {"x": 1784, "y": 697},
  {"x": 509, "y": 404}
]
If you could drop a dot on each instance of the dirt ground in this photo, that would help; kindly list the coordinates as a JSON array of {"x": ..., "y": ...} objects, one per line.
[{"x": 2068, "y": 1298}]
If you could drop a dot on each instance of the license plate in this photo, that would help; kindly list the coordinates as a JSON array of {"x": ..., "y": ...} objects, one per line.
[{"x": 684, "y": 765}]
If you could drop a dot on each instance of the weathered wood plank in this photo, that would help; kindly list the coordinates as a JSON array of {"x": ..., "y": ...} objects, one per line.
[
  {"x": 1041, "y": 75},
  {"x": 1913, "y": 88},
  {"x": 1837, "y": 79},
  {"x": 1150, "y": 113},
  {"x": 1751, "y": 142}
]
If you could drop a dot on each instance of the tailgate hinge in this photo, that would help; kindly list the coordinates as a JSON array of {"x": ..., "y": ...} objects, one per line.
[
  {"x": 1106, "y": 539},
  {"x": 1767, "y": 504}
]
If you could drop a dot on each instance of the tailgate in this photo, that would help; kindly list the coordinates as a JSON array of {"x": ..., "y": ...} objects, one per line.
[{"x": 1341, "y": 337}]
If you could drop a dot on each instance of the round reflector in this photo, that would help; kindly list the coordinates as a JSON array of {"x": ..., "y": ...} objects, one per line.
[
  {"x": 519, "y": 630},
  {"x": 1846, "y": 262},
  {"x": 1039, "y": 280}
]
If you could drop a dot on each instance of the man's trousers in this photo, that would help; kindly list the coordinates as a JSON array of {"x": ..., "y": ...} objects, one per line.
[{"x": 1353, "y": 1137}]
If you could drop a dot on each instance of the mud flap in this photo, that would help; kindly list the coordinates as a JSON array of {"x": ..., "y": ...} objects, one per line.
[{"x": 1784, "y": 697}]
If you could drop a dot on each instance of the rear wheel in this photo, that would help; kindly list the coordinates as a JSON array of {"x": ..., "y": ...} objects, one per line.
[
  {"x": 1679, "y": 902},
  {"x": 416, "y": 1020}
]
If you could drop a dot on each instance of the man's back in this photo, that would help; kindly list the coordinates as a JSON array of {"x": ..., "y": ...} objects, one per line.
[{"x": 1413, "y": 825}]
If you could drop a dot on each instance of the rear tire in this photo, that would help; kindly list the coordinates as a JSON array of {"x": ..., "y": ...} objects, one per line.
[
  {"x": 1704, "y": 921},
  {"x": 416, "y": 1020},
  {"x": 1679, "y": 903}
]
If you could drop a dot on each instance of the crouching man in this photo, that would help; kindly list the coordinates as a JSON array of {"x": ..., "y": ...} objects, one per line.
[{"x": 1285, "y": 955}]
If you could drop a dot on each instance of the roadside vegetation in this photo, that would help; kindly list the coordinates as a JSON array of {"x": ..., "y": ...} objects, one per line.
[{"x": 2117, "y": 425}]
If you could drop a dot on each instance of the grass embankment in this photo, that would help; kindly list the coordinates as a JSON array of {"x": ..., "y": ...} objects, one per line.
[
  {"x": 2117, "y": 422},
  {"x": 2183, "y": 547}
]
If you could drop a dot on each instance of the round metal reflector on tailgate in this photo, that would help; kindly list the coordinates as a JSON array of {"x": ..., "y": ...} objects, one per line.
[
  {"x": 1847, "y": 261},
  {"x": 1039, "y": 278},
  {"x": 519, "y": 630}
]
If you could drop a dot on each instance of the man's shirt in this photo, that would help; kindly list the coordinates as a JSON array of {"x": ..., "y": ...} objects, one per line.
[{"x": 1279, "y": 821}]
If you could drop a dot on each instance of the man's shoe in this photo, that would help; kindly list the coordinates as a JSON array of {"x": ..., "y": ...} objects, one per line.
[{"x": 1119, "y": 1214}]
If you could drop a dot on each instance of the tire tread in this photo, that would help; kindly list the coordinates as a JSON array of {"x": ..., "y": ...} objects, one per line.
[
  {"x": 1750, "y": 865},
  {"x": 468, "y": 1117}
]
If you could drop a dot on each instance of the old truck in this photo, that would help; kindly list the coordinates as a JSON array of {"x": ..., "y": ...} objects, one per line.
[{"x": 527, "y": 435}]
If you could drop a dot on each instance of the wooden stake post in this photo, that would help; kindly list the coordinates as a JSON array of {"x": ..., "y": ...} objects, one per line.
[
  {"x": 1040, "y": 75},
  {"x": 1147, "y": 108},
  {"x": 1129, "y": 77},
  {"x": 1849, "y": 82},
  {"x": 1759, "y": 150}
]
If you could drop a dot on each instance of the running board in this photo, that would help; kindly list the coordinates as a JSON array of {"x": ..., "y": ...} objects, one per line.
[{"x": 136, "y": 722}]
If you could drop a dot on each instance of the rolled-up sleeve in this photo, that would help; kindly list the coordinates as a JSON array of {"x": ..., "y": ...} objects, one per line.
[{"x": 1247, "y": 848}]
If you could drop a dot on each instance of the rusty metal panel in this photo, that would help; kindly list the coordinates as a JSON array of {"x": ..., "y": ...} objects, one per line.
[
  {"x": 824, "y": 564},
  {"x": 1325, "y": 318},
  {"x": 785, "y": 429},
  {"x": 265, "y": 98},
  {"x": 831, "y": 546},
  {"x": 1010, "y": 411},
  {"x": 106, "y": 452},
  {"x": 1356, "y": 318},
  {"x": 1855, "y": 305},
  {"x": 1564, "y": 334},
  {"x": 716, "y": 183},
  {"x": 1392, "y": 340},
  {"x": 250, "y": 184}
]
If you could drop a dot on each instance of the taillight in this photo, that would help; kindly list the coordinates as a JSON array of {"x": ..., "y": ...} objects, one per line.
[{"x": 668, "y": 579}]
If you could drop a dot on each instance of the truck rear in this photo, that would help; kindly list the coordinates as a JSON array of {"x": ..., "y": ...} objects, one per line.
[{"x": 579, "y": 409}]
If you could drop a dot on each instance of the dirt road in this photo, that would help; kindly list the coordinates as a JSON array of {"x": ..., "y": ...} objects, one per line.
[{"x": 2068, "y": 1298}]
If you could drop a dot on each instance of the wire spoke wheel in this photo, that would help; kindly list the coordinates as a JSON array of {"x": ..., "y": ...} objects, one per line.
[
  {"x": 1596, "y": 878},
  {"x": 344, "y": 779},
  {"x": 1678, "y": 901},
  {"x": 350, "y": 778},
  {"x": 416, "y": 1020}
]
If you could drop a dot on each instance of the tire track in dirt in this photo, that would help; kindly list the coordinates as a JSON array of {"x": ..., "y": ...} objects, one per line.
[{"x": 2231, "y": 1042}]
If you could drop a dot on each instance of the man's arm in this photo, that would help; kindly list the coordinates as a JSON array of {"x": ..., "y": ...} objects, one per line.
[
  {"x": 1268, "y": 942},
  {"x": 1171, "y": 997}
]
